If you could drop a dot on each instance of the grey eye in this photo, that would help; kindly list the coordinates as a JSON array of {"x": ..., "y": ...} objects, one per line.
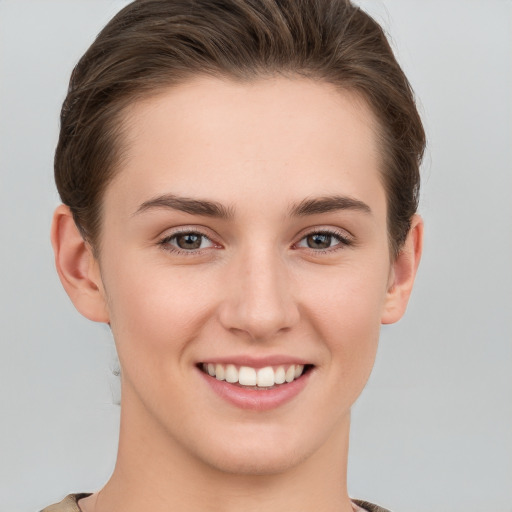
[
  {"x": 322, "y": 240},
  {"x": 319, "y": 240},
  {"x": 187, "y": 241}
]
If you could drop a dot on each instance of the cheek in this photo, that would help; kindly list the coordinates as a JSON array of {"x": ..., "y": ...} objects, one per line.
[
  {"x": 155, "y": 313},
  {"x": 346, "y": 312},
  {"x": 350, "y": 296}
]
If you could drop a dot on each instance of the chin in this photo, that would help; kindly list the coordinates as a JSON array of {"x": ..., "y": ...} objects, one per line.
[
  {"x": 265, "y": 455},
  {"x": 260, "y": 465}
]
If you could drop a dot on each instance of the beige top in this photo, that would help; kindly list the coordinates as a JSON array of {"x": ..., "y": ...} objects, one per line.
[{"x": 69, "y": 504}]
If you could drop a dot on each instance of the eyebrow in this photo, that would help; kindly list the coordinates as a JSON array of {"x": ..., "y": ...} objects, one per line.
[
  {"x": 312, "y": 206},
  {"x": 187, "y": 205},
  {"x": 327, "y": 204}
]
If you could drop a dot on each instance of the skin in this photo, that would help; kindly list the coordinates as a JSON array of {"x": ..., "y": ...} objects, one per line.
[{"x": 254, "y": 288}]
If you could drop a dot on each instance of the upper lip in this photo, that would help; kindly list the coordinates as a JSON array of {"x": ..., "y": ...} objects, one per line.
[{"x": 256, "y": 362}]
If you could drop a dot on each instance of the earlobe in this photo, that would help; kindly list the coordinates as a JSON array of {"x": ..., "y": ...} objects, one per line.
[
  {"x": 77, "y": 267},
  {"x": 403, "y": 272}
]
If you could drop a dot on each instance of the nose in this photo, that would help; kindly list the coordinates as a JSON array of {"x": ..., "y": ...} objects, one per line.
[{"x": 260, "y": 301}]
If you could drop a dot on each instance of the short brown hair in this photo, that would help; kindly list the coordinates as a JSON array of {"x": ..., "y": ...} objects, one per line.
[{"x": 152, "y": 44}]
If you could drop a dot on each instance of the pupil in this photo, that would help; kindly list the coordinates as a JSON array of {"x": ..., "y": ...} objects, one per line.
[
  {"x": 319, "y": 241},
  {"x": 189, "y": 241}
]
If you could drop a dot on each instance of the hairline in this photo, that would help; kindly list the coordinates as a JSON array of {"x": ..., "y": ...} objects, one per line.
[{"x": 125, "y": 107}]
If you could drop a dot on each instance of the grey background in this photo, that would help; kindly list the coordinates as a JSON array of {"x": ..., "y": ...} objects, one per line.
[{"x": 433, "y": 429}]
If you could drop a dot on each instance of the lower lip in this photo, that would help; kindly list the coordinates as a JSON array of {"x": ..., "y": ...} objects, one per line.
[{"x": 256, "y": 400}]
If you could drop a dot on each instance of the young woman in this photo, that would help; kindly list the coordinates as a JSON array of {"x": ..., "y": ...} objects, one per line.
[{"x": 239, "y": 183}]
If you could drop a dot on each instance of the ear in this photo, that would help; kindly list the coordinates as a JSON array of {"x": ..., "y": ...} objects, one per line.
[
  {"x": 403, "y": 272},
  {"x": 77, "y": 267}
]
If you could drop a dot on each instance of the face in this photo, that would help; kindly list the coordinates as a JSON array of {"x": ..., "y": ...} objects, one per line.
[{"x": 245, "y": 239}]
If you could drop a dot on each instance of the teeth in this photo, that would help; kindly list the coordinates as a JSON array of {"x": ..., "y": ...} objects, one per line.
[
  {"x": 280, "y": 375},
  {"x": 219, "y": 372},
  {"x": 247, "y": 376},
  {"x": 265, "y": 377},
  {"x": 231, "y": 373}
]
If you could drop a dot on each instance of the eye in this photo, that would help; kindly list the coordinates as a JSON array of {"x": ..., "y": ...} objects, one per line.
[
  {"x": 322, "y": 240},
  {"x": 186, "y": 241}
]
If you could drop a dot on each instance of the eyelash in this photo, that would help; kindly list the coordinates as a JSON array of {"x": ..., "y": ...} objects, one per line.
[
  {"x": 343, "y": 242},
  {"x": 166, "y": 246}
]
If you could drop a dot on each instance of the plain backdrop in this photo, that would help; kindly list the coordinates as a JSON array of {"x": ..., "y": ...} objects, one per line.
[{"x": 433, "y": 429}]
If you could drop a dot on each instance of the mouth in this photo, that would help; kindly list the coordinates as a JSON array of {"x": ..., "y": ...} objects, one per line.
[{"x": 257, "y": 379}]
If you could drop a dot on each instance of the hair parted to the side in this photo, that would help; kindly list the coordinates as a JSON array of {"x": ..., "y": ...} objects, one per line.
[{"x": 153, "y": 44}]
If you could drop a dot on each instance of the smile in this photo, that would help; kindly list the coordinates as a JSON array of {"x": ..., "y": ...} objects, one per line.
[{"x": 255, "y": 378}]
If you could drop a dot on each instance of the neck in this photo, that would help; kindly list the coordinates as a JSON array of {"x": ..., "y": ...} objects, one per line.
[{"x": 153, "y": 472}]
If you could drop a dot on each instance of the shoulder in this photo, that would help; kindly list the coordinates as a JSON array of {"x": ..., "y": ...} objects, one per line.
[
  {"x": 68, "y": 504},
  {"x": 370, "y": 507}
]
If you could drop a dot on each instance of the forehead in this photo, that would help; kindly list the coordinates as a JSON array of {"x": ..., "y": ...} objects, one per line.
[{"x": 295, "y": 136}]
